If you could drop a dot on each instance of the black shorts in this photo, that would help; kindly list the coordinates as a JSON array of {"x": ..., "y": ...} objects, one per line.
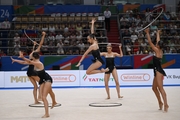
[{"x": 47, "y": 78}]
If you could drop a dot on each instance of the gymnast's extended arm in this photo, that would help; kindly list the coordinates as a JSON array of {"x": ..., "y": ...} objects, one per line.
[
  {"x": 84, "y": 55},
  {"x": 149, "y": 40},
  {"x": 92, "y": 25},
  {"x": 41, "y": 42},
  {"x": 121, "y": 53},
  {"x": 19, "y": 61}
]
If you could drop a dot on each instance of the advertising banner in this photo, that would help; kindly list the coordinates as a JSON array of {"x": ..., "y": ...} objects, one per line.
[
  {"x": 125, "y": 77},
  {"x": 173, "y": 77},
  {"x": 79, "y": 78},
  {"x": 2, "y": 79},
  {"x": 60, "y": 78}
]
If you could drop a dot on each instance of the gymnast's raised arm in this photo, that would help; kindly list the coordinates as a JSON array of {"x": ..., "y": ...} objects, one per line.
[
  {"x": 92, "y": 25},
  {"x": 41, "y": 42},
  {"x": 149, "y": 40},
  {"x": 121, "y": 53}
]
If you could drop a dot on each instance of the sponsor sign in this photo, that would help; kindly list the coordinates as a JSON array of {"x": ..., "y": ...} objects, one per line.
[
  {"x": 65, "y": 77},
  {"x": 16, "y": 79},
  {"x": 135, "y": 77},
  {"x": 94, "y": 80},
  {"x": 173, "y": 77},
  {"x": 125, "y": 77},
  {"x": 60, "y": 78}
]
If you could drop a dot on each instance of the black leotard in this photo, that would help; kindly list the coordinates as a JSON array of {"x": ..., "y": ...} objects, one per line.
[
  {"x": 44, "y": 77},
  {"x": 110, "y": 64},
  {"x": 157, "y": 65},
  {"x": 96, "y": 55},
  {"x": 30, "y": 71}
]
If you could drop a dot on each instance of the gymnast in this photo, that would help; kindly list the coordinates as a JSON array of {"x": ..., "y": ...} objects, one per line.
[
  {"x": 31, "y": 70},
  {"x": 159, "y": 73},
  {"x": 94, "y": 48},
  {"x": 109, "y": 55},
  {"x": 45, "y": 79},
  {"x": 32, "y": 75}
]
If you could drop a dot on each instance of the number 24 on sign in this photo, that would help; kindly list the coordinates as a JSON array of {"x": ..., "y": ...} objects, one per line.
[{"x": 4, "y": 13}]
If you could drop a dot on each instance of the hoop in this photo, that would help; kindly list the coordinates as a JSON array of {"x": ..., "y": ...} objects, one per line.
[
  {"x": 42, "y": 105},
  {"x": 154, "y": 19},
  {"x": 105, "y": 104},
  {"x": 28, "y": 36}
]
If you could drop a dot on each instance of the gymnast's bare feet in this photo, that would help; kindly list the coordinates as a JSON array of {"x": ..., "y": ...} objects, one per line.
[
  {"x": 53, "y": 104},
  {"x": 108, "y": 98},
  {"x": 160, "y": 106},
  {"x": 37, "y": 102},
  {"x": 39, "y": 99},
  {"x": 105, "y": 70},
  {"x": 166, "y": 108},
  {"x": 120, "y": 96},
  {"x": 45, "y": 116}
]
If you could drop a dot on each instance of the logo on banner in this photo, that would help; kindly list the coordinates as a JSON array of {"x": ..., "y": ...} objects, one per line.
[
  {"x": 63, "y": 77},
  {"x": 17, "y": 79},
  {"x": 135, "y": 77},
  {"x": 94, "y": 79},
  {"x": 85, "y": 77}
]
